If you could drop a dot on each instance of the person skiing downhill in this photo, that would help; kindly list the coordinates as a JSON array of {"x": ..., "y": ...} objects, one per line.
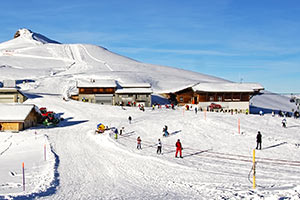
[
  {"x": 139, "y": 143},
  {"x": 159, "y": 146},
  {"x": 129, "y": 119},
  {"x": 258, "y": 140},
  {"x": 165, "y": 131},
  {"x": 178, "y": 148}
]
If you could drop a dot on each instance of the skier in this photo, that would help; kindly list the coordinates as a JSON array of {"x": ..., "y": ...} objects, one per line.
[
  {"x": 284, "y": 122},
  {"x": 159, "y": 146},
  {"x": 258, "y": 140},
  {"x": 173, "y": 107},
  {"x": 116, "y": 133},
  {"x": 129, "y": 119},
  {"x": 178, "y": 148},
  {"x": 165, "y": 131},
  {"x": 139, "y": 143},
  {"x": 196, "y": 110},
  {"x": 122, "y": 130}
]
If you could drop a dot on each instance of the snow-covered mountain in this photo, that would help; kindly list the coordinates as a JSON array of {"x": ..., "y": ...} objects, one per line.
[
  {"x": 22, "y": 56},
  {"x": 34, "y": 56}
]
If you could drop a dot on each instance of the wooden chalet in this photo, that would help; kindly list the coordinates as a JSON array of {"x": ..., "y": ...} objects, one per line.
[
  {"x": 97, "y": 91},
  {"x": 17, "y": 117},
  {"x": 229, "y": 95}
]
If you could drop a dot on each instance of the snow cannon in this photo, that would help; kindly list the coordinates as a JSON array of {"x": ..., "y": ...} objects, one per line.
[{"x": 100, "y": 128}]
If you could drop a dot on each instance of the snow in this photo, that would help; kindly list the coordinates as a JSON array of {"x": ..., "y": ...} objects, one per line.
[
  {"x": 14, "y": 112},
  {"x": 83, "y": 165},
  {"x": 135, "y": 85},
  {"x": 228, "y": 87},
  {"x": 134, "y": 90},
  {"x": 97, "y": 83}
]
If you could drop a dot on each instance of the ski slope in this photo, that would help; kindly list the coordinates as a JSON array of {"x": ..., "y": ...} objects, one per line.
[
  {"x": 216, "y": 164},
  {"x": 217, "y": 159}
]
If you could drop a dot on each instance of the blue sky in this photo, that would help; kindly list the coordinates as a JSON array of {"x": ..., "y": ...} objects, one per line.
[{"x": 252, "y": 41}]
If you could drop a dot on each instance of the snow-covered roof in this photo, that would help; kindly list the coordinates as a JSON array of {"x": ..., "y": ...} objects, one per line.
[
  {"x": 14, "y": 112},
  {"x": 135, "y": 85},
  {"x": 134, "y": 91},
  {"x": 179, "y": 88},
  {"x": 228, "y": 87},
  {"x": 97, "y": 83}
]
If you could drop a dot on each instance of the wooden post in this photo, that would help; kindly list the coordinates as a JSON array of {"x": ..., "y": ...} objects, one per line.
[
  {"x": 239, "y": 126},
  {"x": 23, "y": 170},
  {"x": 254, "y": 169}
]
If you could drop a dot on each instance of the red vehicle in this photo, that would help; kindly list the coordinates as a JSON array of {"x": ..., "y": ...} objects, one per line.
[
  {"x": 43, "y": 111},
  {"x": 213, "y": 106}
]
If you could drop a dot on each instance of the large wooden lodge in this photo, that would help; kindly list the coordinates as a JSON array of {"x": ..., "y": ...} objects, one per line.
[{"x": 231, "y": 96}]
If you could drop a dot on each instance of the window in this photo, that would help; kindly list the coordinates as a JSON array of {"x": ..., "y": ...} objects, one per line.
[
  {"x": 181, "y": 99},
  {"x": 219, "y": 98},
  {"x": 211, "y": 98}
]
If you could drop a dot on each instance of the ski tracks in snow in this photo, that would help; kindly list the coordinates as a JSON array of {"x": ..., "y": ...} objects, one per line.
[{"x": 96, "y": 59}]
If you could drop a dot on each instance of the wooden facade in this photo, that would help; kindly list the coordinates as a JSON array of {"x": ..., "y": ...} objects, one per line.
[
  {"x": 11, "y": 95},
  {"x": 188, "y": 96},
  {"x": 221, "y": 96},
  {"x": 31, "y": 120},
  {"x": 185, "y": 96},
  {"x": 96, "y": 90}
]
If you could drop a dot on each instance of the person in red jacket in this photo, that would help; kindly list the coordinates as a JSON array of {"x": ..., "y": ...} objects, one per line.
[
  {"x": 139, "y": 143},
  {"x": 178, "y": 148}
]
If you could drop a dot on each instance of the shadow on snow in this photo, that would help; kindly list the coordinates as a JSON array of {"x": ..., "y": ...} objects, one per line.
[{"x": 50, "y": 191}]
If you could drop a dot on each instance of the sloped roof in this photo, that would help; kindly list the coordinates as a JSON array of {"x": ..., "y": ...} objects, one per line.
[
  {"x": 134, "y": 85},
  {"x": 97, "y": 83},
  {"x": 134, "y": 91},
  {"x": 228, "y": 87},
  {"x": 14, "y": 112},
  {"x": 179, "y": 88}
]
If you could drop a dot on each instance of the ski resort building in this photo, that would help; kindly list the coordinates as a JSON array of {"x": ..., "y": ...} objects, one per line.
[
  {"x": 11, "y": 95},
  {"x": 134, "y": 93},
  {"x": 111, "y": 92},
  {"x": 97, "y": 91},
  {"x": 17, "y": 117},
  {"x": 230, "y": 96}
]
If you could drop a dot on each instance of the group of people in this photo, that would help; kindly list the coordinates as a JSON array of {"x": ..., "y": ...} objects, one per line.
[{"x": 159, "y": 147}]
